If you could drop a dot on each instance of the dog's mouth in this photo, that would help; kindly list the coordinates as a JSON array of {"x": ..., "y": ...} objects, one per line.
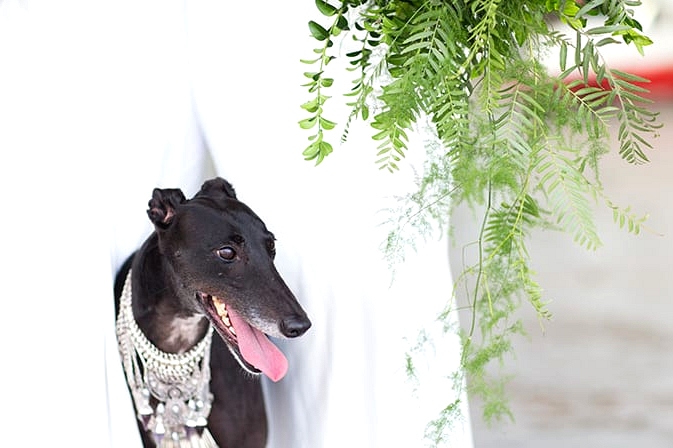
[{"x": 250, "y": 346}]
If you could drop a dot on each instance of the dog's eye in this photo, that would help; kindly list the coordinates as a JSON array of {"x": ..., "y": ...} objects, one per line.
[
  {"x": 271, "y": 247},
  {"x": 227, "y": 253}
]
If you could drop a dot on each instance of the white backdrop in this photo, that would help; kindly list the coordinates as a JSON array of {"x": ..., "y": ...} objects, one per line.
[{"x": 102, "y": 101}]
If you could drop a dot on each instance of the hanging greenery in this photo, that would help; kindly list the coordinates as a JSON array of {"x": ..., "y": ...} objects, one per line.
[{"x": 513, "y": 140}]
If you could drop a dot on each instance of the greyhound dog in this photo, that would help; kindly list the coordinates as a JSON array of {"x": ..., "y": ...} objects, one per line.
[{"x": 208, "y": 265}]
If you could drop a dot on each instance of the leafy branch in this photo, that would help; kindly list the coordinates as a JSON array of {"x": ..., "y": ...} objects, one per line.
[
  {"x": 507, "y": 137},
  {"x": 317, "y": 81}
]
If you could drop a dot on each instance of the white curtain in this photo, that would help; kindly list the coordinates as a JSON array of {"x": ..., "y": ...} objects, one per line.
[{"x": 102, "y": 101}]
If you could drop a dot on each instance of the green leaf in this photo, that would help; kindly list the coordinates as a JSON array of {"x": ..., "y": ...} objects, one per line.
[
  {"x": 629, "y": 86},
  {"x": 342, "y": 23},
  {"x": 638, "y": 39},
  {"x": 311, "y": 106},
  {"x": 311, "y": 151},
  {"x": 608, "y": 29},
  {"x": 600, "y": 74},
  {"x": 313, "y": 75},
  {"x": 569, "y": 14},
  {"x": 325, "y": 8},
  {"x": 308, "y": 123},
  {"x": 381, "y": 135},
  {"x": 567, "y": 72},
  {"x": 588, "y": 7},
  {"x": 317, "y": 31},
  {"x": 606, "y": 40},
  {"x": 325, "y": 148},
  {"x": 309, "y": 61},
  {"x": 629, "y": 76},
  {"x": 327, "y": 124}
]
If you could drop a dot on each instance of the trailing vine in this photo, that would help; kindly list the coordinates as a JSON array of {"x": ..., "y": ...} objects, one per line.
[{"x": 509, "y": 138}]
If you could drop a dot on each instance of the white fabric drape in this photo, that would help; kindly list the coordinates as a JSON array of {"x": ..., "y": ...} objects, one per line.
[{"x": 102, "y": 101}]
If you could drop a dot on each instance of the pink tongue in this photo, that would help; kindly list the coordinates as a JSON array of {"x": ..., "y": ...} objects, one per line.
[{"x": 257, "y": 349}]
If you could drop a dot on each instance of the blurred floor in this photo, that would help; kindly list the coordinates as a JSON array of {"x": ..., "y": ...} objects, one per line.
[{"x": 601, "y": 374}]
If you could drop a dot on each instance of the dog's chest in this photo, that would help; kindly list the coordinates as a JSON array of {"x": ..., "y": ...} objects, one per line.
[{"x": 184, "y": 332}]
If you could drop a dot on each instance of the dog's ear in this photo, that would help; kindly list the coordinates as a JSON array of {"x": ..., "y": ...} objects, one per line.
[
  {"x": 216, "y": 187},
  {"x": 162, "y": 206}
]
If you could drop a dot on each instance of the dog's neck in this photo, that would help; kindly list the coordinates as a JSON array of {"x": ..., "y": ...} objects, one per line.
[
  {"x": 159, "y": 310},
  {"x": 182, "y": 333},
  {"x": 172, "y": 331},
  {"x": 170, "y": 391}
]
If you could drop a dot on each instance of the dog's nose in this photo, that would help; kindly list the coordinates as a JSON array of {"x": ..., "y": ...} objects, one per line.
[{"x": 294, "y": 326}]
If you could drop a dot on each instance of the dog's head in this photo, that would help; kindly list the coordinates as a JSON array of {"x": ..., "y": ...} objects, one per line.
[{"x": 223, "y": 254}]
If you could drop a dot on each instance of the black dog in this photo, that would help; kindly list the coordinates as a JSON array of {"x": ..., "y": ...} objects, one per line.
[{"x": 209, "y": 264}]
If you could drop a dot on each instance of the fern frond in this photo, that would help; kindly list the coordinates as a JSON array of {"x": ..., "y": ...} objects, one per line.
[
  {"x": 401, "y": 109},
  {"x": 621, "y": 96},
  {"x": 368, "y": 69},
  {"x": 509, "y": 224},
  {"x": 567, "y": 192},
  {"x": 625, "y": 218},
  {"x": 450, "y": 114},
  {"x": 517, "y": 144},
  {"x": 521, "y": 117},
  {"x": 635, "y": 121}
]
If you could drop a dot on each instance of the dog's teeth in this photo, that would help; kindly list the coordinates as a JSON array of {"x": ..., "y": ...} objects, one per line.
[{"x": 221, "y": 309}]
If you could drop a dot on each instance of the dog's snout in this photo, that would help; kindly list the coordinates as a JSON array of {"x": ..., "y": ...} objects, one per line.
[{"x": 294, "y": 326}]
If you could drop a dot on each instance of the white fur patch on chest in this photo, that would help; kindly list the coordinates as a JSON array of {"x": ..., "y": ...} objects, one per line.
[{"x": 185, "y": 332}]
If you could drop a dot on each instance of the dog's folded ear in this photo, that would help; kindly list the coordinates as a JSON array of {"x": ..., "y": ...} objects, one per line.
[
  {"x": 162, "y": 206},
  {"x": 217, "y": 186}
]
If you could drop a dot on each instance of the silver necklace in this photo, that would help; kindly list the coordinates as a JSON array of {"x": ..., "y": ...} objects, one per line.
[{"x": 180, "y": 383}]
